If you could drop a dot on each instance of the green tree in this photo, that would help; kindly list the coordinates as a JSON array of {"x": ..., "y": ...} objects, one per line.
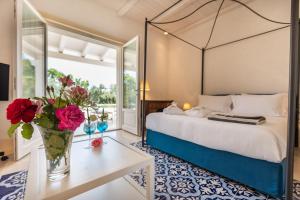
[
  {"x": 83, "y": 83},
  {"x": 100, "y": 94},
  {"x": 53, "y": 76},
  {"x": 129, "y": 91},
  {"x": 28, "y": 79}
]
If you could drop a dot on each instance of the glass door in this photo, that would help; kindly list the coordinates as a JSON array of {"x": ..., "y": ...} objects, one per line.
[
  {"x": 31, "y": 65},
  {"x": 130, "y": 109}
]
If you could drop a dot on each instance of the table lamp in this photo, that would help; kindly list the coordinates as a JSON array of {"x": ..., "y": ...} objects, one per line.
[{"x": 187, "y": 106}]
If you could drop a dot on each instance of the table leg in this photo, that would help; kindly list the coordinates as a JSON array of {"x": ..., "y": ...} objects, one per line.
[{"x": 150, "y": 181}]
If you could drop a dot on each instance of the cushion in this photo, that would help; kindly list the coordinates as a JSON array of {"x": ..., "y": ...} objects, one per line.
[{"x": 215, "y": 103}]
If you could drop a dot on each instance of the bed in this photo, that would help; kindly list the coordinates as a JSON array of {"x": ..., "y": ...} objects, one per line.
[{"x": 252, "y": 155}]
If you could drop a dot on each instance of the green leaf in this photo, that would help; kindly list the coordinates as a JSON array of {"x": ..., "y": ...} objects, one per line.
[
  {"x": 48, "y": 109},
  {"x": 45, "y": 122},
  {"x": 27, "y": 131},
  {"x": 59, "y": 103},
  {"x": 56, "y": 141},
  {"x": 13, "y": 128},
  {"x": 52, "y": 153}
]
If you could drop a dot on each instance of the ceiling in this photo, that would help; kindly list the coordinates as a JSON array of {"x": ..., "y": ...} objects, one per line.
[
  {"x": 64, "y": 46},
  {"x": 139, "y": 9},
  {"x": 68, "y": 47}
]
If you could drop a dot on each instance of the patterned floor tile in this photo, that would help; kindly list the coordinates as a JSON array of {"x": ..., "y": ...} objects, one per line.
[
  {"x": 12, "y": 186},
  {"x": 176, "y": 179}
]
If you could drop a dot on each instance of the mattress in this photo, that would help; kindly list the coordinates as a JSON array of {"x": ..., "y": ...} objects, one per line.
[{"x": 264, "y": 142}]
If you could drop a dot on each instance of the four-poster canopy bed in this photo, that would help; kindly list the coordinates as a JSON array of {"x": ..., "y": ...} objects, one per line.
[{"x": 265, "y": 176}]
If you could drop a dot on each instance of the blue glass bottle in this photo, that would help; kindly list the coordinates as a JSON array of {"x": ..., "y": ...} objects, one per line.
[
  {"x": 102, "y": 126},
  {"x": 89, "y": 128}
]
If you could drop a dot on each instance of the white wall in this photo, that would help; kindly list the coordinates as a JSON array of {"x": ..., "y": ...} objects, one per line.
[
  {"x": 157, "y": 65},
  {"x": 184, "y": 72},
  {"x": 257, "y": 65},
  {"x": 6, "y": 56}
]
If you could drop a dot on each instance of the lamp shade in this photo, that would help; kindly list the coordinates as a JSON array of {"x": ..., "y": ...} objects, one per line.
[{"x": 187, "y": 106}]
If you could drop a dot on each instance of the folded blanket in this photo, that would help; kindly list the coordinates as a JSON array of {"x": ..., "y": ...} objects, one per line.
[
  {"x": 253, "y": 120},
  {"x": 198, "y": 112},
  {"x": 173, "y": 109}
]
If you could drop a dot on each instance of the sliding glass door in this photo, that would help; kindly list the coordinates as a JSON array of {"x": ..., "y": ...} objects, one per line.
[
  {"x": 131, "y": 101},
  {"x": 31, "y": 65}
]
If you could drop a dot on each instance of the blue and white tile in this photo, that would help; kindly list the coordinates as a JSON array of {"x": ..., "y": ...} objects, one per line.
[
  {"x": 12, "y": 186},
  {"x": 296, "y": 190},
  {"x": 179, "y": 180},
  {"x": 175, "y": 179}
]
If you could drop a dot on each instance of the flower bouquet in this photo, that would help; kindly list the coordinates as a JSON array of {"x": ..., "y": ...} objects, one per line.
[{"x": 57, "y": 117}]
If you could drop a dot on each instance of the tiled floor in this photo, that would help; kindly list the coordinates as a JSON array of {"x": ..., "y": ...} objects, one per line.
[
  {"x": 122, "y": 136},
  {"x": 297, "y": 164}
]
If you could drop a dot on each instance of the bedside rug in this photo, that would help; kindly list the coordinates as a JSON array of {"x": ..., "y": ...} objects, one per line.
[
  {"x": 176, "y": 179},
  {"x": 12, "y": 186}
]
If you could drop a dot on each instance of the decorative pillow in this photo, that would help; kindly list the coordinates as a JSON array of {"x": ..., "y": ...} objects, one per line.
[
  {"x": 250, "y": 105},
  {"x": 215, "y": 103}
]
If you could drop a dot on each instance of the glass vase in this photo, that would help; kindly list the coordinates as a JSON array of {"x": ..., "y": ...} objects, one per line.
[{"x": 57, "y": 149}]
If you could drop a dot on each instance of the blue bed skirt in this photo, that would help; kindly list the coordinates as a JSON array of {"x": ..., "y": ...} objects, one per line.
[{"x": 264, "y": 176}]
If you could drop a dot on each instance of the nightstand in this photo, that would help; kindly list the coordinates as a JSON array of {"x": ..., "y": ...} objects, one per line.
[{"x": 152, "y": 106}]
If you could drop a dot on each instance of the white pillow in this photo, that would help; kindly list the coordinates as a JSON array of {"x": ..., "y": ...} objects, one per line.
[
  {"x": 215, "y": 103},
  {"x": 284, "y": 104},
  {"x": 250, "y": 105}
]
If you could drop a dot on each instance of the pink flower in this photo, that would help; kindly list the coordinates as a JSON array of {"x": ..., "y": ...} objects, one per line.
[
  {"x": 51, "y": 101},
  {"x": 78, "y": 93},
  {"x": 39, "y": 104},
  {"x": 97, "y": 142},
  {"x": 69, "y": 117},
  {"x": 66, "y": 81}
]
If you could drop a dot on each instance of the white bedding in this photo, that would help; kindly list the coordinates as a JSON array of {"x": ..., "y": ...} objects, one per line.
[{"x": 265, "y": 142}]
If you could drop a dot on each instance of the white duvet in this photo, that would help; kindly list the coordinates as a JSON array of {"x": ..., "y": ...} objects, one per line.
[{"x": 265, "y": 142}]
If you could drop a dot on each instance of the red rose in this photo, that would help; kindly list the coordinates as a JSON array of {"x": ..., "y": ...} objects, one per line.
[
  {"x": 21, "y": 109},
  {"x": 97, "y": 142}
]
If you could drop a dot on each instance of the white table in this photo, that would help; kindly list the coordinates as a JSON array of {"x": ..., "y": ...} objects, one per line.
[{"x": 93, "y": 172}]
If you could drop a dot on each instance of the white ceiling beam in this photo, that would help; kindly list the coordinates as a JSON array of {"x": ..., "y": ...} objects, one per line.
[
  {"x": 85, "y": 49},
  {"x": 62, "y": 43},
  {"x": 103, "y": 53},
  {"x": 127, "y": 7},
  {"x": 80, "y": 59}
]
